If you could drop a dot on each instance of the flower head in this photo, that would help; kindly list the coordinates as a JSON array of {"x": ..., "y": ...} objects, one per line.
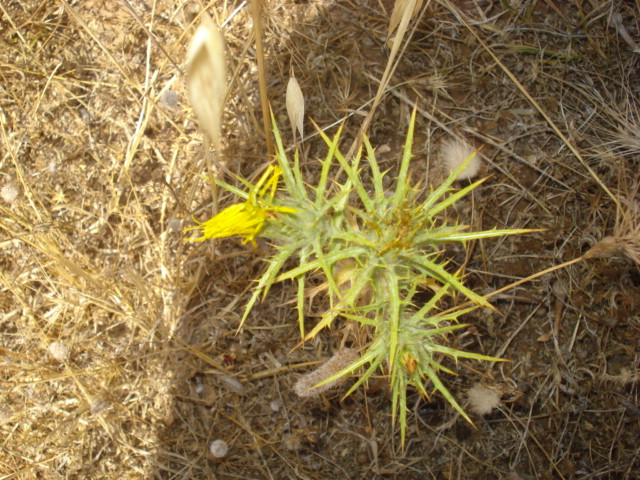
[{"x": 245, "y": 219}]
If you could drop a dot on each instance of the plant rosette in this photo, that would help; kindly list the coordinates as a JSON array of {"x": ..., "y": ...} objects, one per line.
[{"x": 375, "y": 248}]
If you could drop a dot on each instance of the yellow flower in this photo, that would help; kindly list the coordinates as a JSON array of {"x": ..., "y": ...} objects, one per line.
[{"x": 245, "y": 219}]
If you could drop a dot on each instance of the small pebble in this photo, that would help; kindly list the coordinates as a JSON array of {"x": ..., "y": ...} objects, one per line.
[
  {"x": 169, "y": 99},
  {"x": 174, "y": 224},
  {"x": 275, "y": 405},
  {"x": 219, "y": 448},
  {"x": 85, "y": 115}
]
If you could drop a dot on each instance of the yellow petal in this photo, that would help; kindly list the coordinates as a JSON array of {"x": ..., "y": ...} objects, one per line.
[{"x": 240, "y": 219}]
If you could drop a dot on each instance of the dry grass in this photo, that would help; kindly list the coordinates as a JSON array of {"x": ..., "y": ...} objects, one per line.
[{"x": 120, "y": 358}]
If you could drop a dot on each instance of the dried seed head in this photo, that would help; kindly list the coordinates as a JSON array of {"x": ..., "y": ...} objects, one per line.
[
  {"x": 295, "y": 107},
  {"x": 627, "y": 229},
  {"x": 9, "y": 193},
  {"x": 399, "y": 9},
  {"x": 219, "y": 448},
  {"x": 626, "y": 234},
  {"x": 206, "y": 75},
  {"x": 59, "y": 351},
  {"x": 453, "y": 153},
  {"x": 483, "y": 400},
  {"x": 304, "y": 387},
  {"x": 612, "y": 246},
  {"x": 99, "y": 406},
  {"x": 606, "y": 247}
]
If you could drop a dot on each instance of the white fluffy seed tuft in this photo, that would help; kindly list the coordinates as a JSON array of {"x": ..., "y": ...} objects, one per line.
[
  {"x": 9, "y": 193},
  {"x": 454, "y": 152},
  {"x": 59, "y": 351},
  {"x": 483, "y": 400}
]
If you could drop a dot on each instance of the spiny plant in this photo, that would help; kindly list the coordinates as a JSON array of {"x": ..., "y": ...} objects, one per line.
[{"x": 378, "y": 249}]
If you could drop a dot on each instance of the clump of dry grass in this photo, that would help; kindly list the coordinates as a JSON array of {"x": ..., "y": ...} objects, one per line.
[
  {"x": 89, "y": 270},
  {"x": 626, "y": 232}
]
